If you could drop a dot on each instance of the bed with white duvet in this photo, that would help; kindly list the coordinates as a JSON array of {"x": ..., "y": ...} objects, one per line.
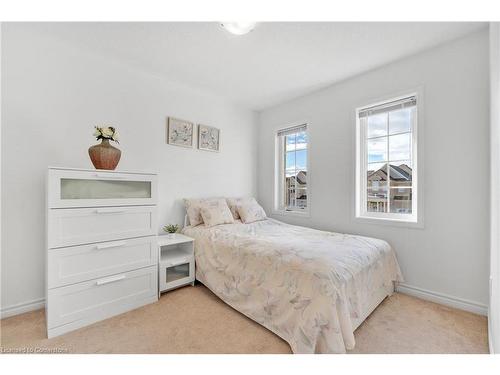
[{"x": 312, "y": 288}]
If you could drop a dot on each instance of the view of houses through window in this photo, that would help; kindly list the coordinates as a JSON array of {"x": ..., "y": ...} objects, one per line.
[
  {"x": 293, "y": 176},
  {"x": 387, "y": 141},
  {"x": 400, "y": 182}
]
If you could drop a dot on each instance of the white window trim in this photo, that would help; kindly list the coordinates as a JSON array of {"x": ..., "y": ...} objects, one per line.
[
  {"x": 360, "y": 214},
  {"x": 278, "y": 167}
]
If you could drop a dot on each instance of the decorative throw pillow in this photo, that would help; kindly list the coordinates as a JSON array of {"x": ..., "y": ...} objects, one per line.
[
  {"x": 233, "y": 206},
  {"x": 216, "y": 212},
  {"x": 250, "y": 211},
  {"x": 193, "y": 207}
]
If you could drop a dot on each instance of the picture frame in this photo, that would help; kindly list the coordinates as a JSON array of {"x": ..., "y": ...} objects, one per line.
[
  {"x": 179, "y": 132},
  {"x": 208, "y": 138}
]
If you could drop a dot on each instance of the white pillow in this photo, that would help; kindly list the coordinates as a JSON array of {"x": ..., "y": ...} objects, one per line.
[
  {"x": 193, "y": 207},
  {"x": 233, "y": 206},
  {"x": 216, "y": 212},
  {"x": 250, "y": 211}
]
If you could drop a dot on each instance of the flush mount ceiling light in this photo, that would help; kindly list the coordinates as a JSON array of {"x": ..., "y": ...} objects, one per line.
[{"x": 238, "y": 28}]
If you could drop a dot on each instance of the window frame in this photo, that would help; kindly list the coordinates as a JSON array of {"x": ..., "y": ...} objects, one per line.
[
  {"x": 278, "y": 188},
  {"x": 415, "y": 219}
]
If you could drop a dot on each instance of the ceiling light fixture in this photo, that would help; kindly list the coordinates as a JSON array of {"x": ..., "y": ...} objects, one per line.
[{"x": 238, "y": 28}]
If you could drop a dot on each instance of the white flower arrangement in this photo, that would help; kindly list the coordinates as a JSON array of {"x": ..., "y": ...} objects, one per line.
[{"x": 106, "y": 132}]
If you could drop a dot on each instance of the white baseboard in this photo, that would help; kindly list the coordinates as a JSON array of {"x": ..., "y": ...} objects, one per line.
[
  {"x": 21, "y": 308},
  {"x": 443, "y": 299}
]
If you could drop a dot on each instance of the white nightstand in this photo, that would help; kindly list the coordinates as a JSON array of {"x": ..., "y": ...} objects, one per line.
[{"x": 176, "y": 261}]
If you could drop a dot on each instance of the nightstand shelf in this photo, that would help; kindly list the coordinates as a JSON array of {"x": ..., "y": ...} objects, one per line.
[
  {"x": 175, "y": 255},
  {"x": 176, "y": 261}
]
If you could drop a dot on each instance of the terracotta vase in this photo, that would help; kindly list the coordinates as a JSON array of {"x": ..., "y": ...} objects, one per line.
[{"x": 104, "y": 155}]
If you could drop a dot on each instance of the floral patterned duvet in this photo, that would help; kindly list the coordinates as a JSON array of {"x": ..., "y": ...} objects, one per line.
[{"x": 305, "y": 285}]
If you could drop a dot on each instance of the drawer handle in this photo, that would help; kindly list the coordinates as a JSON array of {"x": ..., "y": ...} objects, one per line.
[
  {"x": 110, "y": 280},
  {"x": 110, "y": 245},
  {"x": 106, "y": 211},
  {"x": 111, "y": 177}
]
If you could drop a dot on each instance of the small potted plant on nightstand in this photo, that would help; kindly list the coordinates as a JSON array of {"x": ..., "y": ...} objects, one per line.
[{"x": 171, "y": 229}]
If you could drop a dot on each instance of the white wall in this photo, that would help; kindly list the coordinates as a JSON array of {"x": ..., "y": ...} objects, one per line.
[
  {"x": 53, "y": 95},
  {"x": 494, "y": 312},
  {"x": 449, "y": 256}
]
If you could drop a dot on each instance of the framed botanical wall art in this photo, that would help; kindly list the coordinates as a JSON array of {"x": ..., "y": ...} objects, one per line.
[
  {"x": 179, "y": 132},
  {"x": 208, "y": 138}
]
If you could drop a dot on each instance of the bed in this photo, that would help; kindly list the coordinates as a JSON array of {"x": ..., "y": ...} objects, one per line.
[{"x": 312, "y": 288}]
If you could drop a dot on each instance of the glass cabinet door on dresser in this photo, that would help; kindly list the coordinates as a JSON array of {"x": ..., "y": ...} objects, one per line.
[{"x": 76, "y": 188}]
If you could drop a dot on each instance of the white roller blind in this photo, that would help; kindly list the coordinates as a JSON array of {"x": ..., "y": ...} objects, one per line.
[
  {"x": 408, "y": 102},
  {"x": 292, "y": 130}
]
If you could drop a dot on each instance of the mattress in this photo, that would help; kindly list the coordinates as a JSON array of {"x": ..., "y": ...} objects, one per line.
[{"x": 312, "y": 288}]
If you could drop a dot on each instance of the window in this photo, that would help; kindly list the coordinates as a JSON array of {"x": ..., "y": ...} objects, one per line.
[
  {"x": 386, "y": 160},
  {"x": 292, "y": 154}
]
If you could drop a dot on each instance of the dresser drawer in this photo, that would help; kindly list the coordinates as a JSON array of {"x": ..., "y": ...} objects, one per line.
[
  {"x": 70, "y": 265},
  {"x": 76, "y": 305},
  {"x": 76, "y": 188},
  {"x": 78, "y": 226}
]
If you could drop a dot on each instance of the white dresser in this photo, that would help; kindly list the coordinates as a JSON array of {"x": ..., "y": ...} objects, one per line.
[{"x": 102, "y": 254}]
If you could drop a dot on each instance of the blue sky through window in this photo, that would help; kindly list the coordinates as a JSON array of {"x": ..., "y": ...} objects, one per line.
[
  {"x": 296, "y": 153},
  {"x": 389, "y": 132},
  {"x": 296, "y": 160}
]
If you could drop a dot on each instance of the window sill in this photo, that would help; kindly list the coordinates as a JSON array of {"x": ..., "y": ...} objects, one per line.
[
  {"x": 291, "y": 213},
  {"x": 390, "y": 222}
]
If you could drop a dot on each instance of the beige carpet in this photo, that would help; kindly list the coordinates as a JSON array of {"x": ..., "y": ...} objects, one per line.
[{"x": 193, "y": 320}]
